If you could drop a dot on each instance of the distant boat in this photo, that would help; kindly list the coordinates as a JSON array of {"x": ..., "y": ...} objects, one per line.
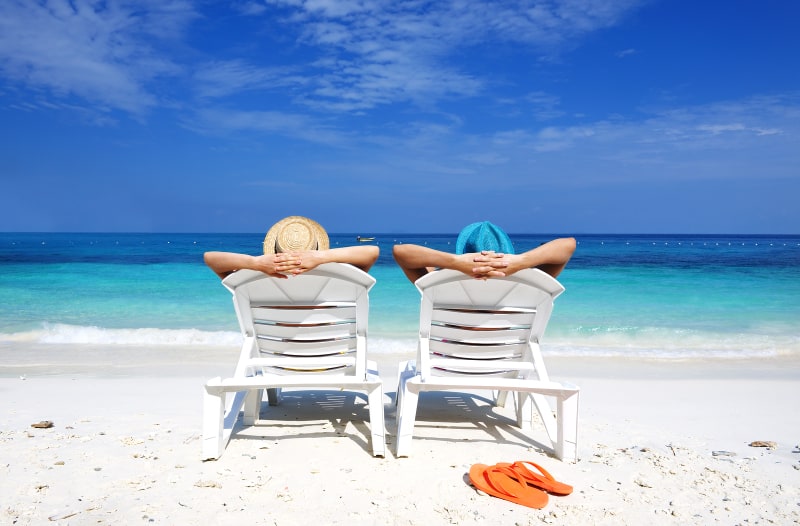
[{"x": 364, "y": 239}]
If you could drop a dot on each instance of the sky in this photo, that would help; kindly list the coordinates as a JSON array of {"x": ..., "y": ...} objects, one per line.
[{"x": 401, "y": 116}]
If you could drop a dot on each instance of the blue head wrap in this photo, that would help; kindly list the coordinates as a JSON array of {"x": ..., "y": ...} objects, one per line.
[{"x": 482, "y": 236}]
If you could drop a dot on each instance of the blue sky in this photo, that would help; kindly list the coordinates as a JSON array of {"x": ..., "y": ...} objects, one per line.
[{"x": 550, "y": 116}]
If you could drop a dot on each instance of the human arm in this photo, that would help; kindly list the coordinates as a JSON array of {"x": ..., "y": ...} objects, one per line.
[
  {"x": 225, "y": 263},
  {"x": 362, "y": 257},
  {"x": 294, "y": 263},
  {"x": 550, "y": 257},
  {"x": 416, "y": 261}
]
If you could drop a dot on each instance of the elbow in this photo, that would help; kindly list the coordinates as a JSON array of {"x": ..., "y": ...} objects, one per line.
[
  {"x": 570, "y": 244},
  {"x": 373, "y": 254},
  {"x": 399, "y": 252}
]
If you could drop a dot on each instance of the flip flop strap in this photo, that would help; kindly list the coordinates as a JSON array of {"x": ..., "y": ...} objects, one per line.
[
  {"x": 510, "y": 474},
  {"x": 520, "y": 464}
]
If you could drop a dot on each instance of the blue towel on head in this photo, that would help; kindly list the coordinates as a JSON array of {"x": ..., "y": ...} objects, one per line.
[{"x": 481, "y": 236}]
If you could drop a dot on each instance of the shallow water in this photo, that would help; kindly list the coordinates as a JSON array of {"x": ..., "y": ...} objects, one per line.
[{"x": 663, "y": 296}]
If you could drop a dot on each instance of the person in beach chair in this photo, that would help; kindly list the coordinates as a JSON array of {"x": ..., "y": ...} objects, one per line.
[
  {"x": 292, "y": 246},
  {"x": 477, "y": 333},
  {"x": 307, "y": 333},
  {"x": 483, "y": 251}
]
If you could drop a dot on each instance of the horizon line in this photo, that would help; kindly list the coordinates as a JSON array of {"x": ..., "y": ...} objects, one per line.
[{"x": 409, "y": 233}]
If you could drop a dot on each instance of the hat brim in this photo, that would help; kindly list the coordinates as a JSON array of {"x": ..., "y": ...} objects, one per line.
[{"x": 295, "y": 233}]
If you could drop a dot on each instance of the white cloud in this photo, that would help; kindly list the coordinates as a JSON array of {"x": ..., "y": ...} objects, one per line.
[
  {"x": 100, "y": 52},
  {"x": 346, "y": 55},
  {"x": 385, "y": 52},
  {"x": 554, "y": 139},
  {"x": 545, "y": 105},
  {"x": 760, "y": 135},
  {"x": 223, "y": 78},
  {"x": 221, "y": 121},
  {"x": 335, "y": 8},
  {"x": 716, "y": 129},
  {"x": 486, "y": 159},
  {"x": 251, "y": 8}
]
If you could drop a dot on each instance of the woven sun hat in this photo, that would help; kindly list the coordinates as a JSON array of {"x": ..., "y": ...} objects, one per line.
[
  {"x": 295, "y": 233},
  {"x": 481, "y": 236}
]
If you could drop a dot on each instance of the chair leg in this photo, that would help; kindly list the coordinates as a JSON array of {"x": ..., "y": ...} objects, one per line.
[
  {"x": 546, "y": 414},
  {"x": 213, "y": 418},
  {"x": 252, "y": 406},
  {"x": 500, "y": 398},
  {"x": 406, "y": 414},
  {"x": 567, "y": 440},
  {"x": 220, "y": 413},
  {"x": 524, "y": 410},
  {"x": 274, "y": 396},
  {"x": 376, "y": 421},
  {"x": 405, "y": 370}
]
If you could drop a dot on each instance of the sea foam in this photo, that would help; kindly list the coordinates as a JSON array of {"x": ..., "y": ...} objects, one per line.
[
  {"x": 60, "y": 333},
  {"x": 655, "y": 344}
]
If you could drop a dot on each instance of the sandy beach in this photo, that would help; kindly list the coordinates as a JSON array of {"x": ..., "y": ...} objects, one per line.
[{"x": 659, "y": 442}]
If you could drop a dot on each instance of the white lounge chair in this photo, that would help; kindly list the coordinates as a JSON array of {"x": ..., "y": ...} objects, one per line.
[
  {"x": 485, "y": 334},
  {"x": 308, "y": 331}
]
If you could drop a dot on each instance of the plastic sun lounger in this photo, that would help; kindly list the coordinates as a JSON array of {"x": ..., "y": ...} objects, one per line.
[
  {"x": 308, "y": 331},
  {"x": 485, "y": 334}
]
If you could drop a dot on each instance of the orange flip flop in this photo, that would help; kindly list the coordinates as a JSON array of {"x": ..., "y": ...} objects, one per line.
[
  {"x": 545, "y": 481},
  {"x": 504, "y": 483}
]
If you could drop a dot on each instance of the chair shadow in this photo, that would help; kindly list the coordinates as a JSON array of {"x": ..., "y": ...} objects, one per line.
[
  {"x": 470, "y": 413},
  {"x": 304, "y": 412}
]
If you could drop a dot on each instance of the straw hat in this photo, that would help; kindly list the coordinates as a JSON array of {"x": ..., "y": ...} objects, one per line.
[
  {"x": 481, "y": 236},
  {"x": 295, "y": 233}
]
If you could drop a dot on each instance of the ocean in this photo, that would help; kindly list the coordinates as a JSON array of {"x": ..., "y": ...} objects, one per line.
[{"x": 656, "y": 296}]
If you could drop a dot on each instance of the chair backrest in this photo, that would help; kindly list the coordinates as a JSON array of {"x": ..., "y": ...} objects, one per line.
[
  {"x": 494, "y": 326},
  {"x": 312, "y": 323}
]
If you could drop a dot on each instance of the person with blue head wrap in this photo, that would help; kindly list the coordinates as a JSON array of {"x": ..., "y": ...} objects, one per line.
[
  {"x": 483, "y": 237},
  {"x": 484, "y": 250}
]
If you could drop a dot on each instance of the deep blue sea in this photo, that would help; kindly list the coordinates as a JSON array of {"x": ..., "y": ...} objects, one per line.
[{"x": 664, "y": 296}]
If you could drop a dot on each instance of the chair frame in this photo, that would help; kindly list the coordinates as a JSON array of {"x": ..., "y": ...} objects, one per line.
[
  {"x": 485, "y": 335},
  {"x": 298, "y": 350}
]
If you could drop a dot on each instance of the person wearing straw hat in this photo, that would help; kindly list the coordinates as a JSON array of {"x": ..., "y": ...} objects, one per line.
[
  {"x": 484, "y": 250},
  {"x": 293, "y": 245}
]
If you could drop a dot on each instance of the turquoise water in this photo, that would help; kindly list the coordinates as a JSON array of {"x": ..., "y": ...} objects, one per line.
[{"x": 663, "y": 296}]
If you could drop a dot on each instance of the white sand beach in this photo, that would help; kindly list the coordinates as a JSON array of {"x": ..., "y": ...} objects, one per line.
[{"x": 659, "y": 442}]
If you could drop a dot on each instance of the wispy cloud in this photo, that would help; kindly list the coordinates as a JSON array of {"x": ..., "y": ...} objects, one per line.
[
  {"x": 351, "y": 55},
  {"x": 626, "y": 53},
  {"x": 101, "y": 52},
  {"x": 233, "y": 77},
  {"x": 678, "y": 143},
  {"x": 729, "y": 126},
  {"x": 225, "y": 121},
  {"x": 384, "y": 52},
  {"x": 250, "y": 7},
  {"x": 545, "y": 105},
  {"x": 554, "y": 139},
  {"x": 716, "y": 129},
  {"x": 359, "y": 56}
]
